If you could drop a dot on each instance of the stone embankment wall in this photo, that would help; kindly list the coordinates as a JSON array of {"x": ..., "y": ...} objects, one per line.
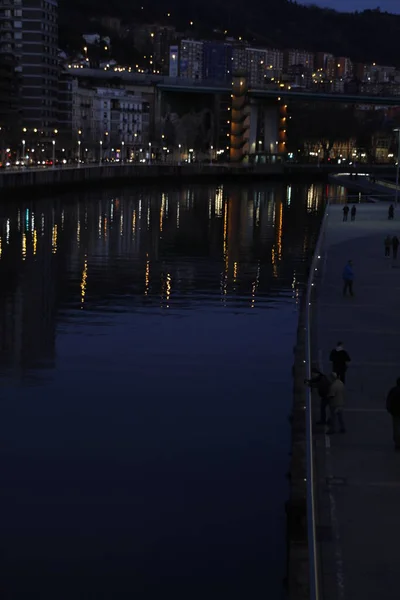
[{"x": 296, "y": 507}]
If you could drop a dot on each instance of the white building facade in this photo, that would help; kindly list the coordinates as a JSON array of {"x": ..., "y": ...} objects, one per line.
[{"x": 112, "y": 116}]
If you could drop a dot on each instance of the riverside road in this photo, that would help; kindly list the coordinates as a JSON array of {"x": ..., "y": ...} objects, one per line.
[{"x": 358, "y": 473}]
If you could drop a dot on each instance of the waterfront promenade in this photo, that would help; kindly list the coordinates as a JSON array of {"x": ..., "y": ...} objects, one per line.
[
  {"x": 358, "y": 473},
  {"x": 68, "y": 176}
]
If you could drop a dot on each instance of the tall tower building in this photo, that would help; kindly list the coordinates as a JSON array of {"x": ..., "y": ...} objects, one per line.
[
  {"x": 39, "y": 64},
  {"x": 10, "y": 53}
]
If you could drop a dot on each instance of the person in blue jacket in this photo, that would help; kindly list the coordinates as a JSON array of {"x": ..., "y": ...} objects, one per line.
[{"x": 348, "y": 278}]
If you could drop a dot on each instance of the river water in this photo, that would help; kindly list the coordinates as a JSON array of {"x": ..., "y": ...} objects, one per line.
[{"x": 145, "y": 353}]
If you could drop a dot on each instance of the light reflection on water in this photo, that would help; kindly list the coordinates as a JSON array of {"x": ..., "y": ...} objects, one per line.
[{"x": 145, "y": 351}]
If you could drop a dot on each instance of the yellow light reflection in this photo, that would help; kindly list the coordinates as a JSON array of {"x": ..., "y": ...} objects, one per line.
[
  {"x": 23, "y": 246},
  {"x": 54, "y": 239},
  {"x": 162, "y": 209},
  {"x": 218, "y": 202},
  {"x": 147, "y": 278},
  {"x": 235, "y": 271},
  {"x": 226, "y": 253},
  {"x": 105, "y": 227},
  {"x": 1, "y": 247},
  {"x": 34, "y": 241},
  {"x": 133, "y": 224},
  {"x": 168, "y": 286},
  {"x": 84, "y": 282},
  {"x": 274, "y": 262},
  {"x": 279, "y": 231}
]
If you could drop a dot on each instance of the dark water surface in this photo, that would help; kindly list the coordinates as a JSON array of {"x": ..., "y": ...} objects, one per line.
[{"x": 146, "y": 344}]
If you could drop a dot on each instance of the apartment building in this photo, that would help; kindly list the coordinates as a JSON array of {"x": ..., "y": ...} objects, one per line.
[
  {"x": 36, "y": 29},
  {"x": 109, "y": 115},
  {"x": 299, "y": 57},
  {"x": 191, "y": 59}
]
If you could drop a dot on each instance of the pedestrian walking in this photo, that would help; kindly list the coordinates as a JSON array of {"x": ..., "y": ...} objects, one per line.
[
  {"x": 339, "y": 358},
  {"x": 391, "y": 212},
  {"x": 393, "y": 408},
  {"x": 353, "y": 212},
  {"x": 321, "y": 382},
  {"x": 348, "y": 278},
  {"x": 388, "y": 245},
  {"x": 395, "y": 246},
  {"x": 345, "y": 212},
  {"x": 336, "y": 405}
]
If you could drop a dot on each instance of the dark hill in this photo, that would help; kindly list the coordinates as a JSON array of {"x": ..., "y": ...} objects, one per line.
[{"x": 368, "y": 36}]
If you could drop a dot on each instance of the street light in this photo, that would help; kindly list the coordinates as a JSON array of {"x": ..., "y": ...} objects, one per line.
[
  {"x": 211, "y": 154},
  {"x": 101, "y": 152},
  {"x": 23, "y": 150},
  {"x": 149, "y": 153},
  {"x": 79, "y": 153},
  {"x": 398, "y": 166},
  {"x": 122, "y": 151},
  {"x": 54, "y": 153},
  {"x": 180, "y": 154}
]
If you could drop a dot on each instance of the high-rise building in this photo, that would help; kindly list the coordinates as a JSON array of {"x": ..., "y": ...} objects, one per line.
[
  {"x": 39, "y": 64},
  {"x": 299, "y": 57},
  {"x": 173, "y": 61},
  {"x": 344, "y": 67},
  {"x": 274, "y": 62},
  {"x": 217, "y": 61},
  {"x": 256, "y": 65},
  {"x": 191, "y": 59},
  {"x": 260, "y": 64},
  {"x": 163, "y": 38},
  {"x": 325, "y": 63},
  {"x": 10, "y": 50}
]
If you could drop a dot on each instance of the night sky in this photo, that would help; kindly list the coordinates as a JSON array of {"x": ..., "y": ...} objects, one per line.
[{"x": 351, "y": 5}]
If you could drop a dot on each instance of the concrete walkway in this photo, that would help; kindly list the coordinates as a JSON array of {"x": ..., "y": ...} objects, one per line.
[
  {"x": 358, "y": 473},
  {"x": 365, "y": 187}
]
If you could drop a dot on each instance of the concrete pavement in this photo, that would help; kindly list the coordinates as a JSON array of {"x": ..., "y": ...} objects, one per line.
[{"x": 358, "y": 473}]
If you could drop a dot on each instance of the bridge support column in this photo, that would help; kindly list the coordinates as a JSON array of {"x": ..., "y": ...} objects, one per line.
[
  {"x": 271, "y": 129},
  {"x": 253, "y": 128}
]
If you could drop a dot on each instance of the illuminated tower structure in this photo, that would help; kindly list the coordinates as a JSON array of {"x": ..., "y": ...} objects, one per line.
[{"x": 239, "y": 142}]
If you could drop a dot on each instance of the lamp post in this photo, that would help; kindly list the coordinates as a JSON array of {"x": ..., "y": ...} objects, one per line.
[
  {"x": 398, "y": 166},
  {"x": 122, "y": 151},
  {"x": 23, "y": 151},
  {"x": 149, "y": 153},
  {"x": 54, "y": 154},
  {"x": 211, "y": 154},
  {"x": 79, "y": 153},
  {"x": 180, "y": 154},
  {"x": 101, "y": 152}
]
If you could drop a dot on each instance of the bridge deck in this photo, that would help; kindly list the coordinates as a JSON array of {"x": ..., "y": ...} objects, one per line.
[{"x": 358, "y": 473}]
